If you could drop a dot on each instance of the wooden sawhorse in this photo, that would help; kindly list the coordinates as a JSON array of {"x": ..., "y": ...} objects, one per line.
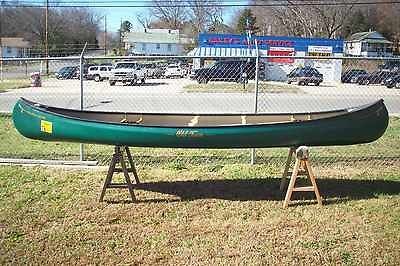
[
  {"x": 301, "y": 167},
  {"x": 118, "y": 157}
]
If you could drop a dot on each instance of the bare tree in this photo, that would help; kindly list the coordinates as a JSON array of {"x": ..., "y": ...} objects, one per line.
[
  {"x": 172, "y": 13},
  {"x": 144, "y": 21},
  {"x": 204, "y": 15},
  {"x": 28, "y": 22},
  {"x": 332, "y": 19},
  {"x": 293, "y": 18}
]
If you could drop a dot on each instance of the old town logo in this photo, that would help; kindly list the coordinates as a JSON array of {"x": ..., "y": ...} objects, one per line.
[{"x": 184, "y": 133}]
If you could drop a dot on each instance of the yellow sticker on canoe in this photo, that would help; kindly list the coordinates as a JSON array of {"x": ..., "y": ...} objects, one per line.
[{"x": 46, "y": 126}]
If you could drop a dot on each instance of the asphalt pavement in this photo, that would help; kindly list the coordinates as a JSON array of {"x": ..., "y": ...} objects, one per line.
[{"x": 166, "y": 95}]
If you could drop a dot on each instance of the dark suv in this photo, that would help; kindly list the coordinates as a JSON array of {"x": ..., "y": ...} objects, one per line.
[
  {"x": 391, "y": 65},
  {"x": 351, "y": 76},
  {"x": 392, "y": 82},
  {"x": 376, "y": 77},
  {"x": 232, "y": 70},
  {"x": 68, "y": 72},
  {"x": 305, "y": 75}
]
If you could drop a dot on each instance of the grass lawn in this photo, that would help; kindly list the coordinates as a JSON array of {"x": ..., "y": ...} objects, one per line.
[
  {"x": 11, "y": 84},
  {"x": 264, "y": 87},
  {"x": 203, "y": 216}
]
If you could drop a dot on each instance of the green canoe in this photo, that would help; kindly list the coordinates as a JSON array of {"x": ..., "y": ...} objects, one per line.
[{"x": 340, "y": 127}]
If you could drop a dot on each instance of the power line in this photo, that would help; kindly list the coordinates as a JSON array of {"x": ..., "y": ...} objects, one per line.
[
  {"x": 169, "y": 1},
  {"x": 146, "y": 4}
]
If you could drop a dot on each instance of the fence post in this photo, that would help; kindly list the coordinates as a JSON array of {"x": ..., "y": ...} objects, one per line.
[
  {"x": 253, "y": 151},
  {"x": 81, "y": 69}
]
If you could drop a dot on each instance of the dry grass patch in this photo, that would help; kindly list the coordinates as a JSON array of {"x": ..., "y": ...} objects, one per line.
[
  {"x": 263, "y": 87},
  {"x": 199, "y": 216},
  {"x": 10, "y": 84}
]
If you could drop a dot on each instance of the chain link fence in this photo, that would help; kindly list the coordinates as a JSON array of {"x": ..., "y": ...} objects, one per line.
[{"x": 202, "y": 85}]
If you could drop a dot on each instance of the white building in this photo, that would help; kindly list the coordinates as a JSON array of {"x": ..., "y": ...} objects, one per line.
[
  {"x": 369, "y": 44},
  {"x": 14, "y": 47},
  {"x": 155, "y": 42}
]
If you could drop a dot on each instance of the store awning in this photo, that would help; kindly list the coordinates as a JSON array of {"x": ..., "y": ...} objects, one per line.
[
  {"x": 379, "y": 41},
  {"x": 221, "y": 52}
]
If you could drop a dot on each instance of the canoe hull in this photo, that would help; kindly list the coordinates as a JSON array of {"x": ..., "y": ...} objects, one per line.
[{"x": 362, "y": 126}]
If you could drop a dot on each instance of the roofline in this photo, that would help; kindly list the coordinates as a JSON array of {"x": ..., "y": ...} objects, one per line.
[{"x": 366, "y": 40}]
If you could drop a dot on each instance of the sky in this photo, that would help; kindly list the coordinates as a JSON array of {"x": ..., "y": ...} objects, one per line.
[{"x": 115, "y": 14}]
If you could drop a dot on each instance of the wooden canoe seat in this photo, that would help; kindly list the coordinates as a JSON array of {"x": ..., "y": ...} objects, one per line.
[
  {"x": 139, "y": 121},
  {"x": 124, "y": 119},
  {"x": 244, "y": 120},
  {"x": 194, "y": 121}
]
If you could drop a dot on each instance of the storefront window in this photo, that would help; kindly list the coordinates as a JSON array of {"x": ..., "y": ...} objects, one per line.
[{"x": 364, "y": 47}]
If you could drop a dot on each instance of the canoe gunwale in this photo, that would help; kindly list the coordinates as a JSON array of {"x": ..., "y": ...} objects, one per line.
[{"x": 342, "y": 113}]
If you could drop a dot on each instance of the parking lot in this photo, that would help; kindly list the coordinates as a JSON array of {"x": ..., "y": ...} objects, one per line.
[{"x": 169, "y": 95}]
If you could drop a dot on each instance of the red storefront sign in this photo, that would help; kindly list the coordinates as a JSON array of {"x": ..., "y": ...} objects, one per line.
[{"x": 281, "y": 51}]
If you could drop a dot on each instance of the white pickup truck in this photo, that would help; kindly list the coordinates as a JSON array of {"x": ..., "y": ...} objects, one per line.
[
  {"x": 174, "y": 70},
  {"x": 99, "y": 73},
  {"x": 128, "y": 72}
]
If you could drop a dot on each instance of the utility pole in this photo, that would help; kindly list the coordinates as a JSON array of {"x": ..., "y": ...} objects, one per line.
[
  {"x": 1, "y": 44},
  {"x": 120, "y": 37},
  {"x": 1, "y": 29},
  {"x": 47, "y": 37},
  {"x": 105, "y": 35}
]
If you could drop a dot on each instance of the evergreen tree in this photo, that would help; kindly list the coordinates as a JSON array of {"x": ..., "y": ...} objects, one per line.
[
  {"x": 126, "y": 26},
  {"x": 247, "y": 21},
  {"x": 358, "y": 23}
]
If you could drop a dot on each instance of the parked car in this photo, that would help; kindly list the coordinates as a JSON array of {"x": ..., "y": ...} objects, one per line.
[
  {"x": 391, "y": 65},
  {"x": 376, "y": 77},
  {"x": 99, "y": 73},
  {"x": 173, "y": 70},
  {"x": 392, "y": 82},
  {"x": 185, "y": 68},
  {"x": 68, "y": 72},
  {"x": 229, "y": 70},
  {"x": 150, "y": 69},
  {"x": 127, "y": 72},
  {"x": 159, "y": 72},
  {"x": 351, "y": 76},
  {"x": 305, "y": 75},
  {"x": 192, "y": 74}
]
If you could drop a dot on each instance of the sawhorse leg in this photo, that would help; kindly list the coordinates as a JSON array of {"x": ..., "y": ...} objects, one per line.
[
  {"x": 286, "y": 171},
  {"x": 118, "y": 157},
  {"x": 302, "y": 166},
  {"x": 132, "y": 164}
]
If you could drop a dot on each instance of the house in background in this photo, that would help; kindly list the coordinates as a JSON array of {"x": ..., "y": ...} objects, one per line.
[
  {"x": 155, "y": 42},
  {"x": 14, "y": 47},
  {"x": 369, "y": 44}
]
